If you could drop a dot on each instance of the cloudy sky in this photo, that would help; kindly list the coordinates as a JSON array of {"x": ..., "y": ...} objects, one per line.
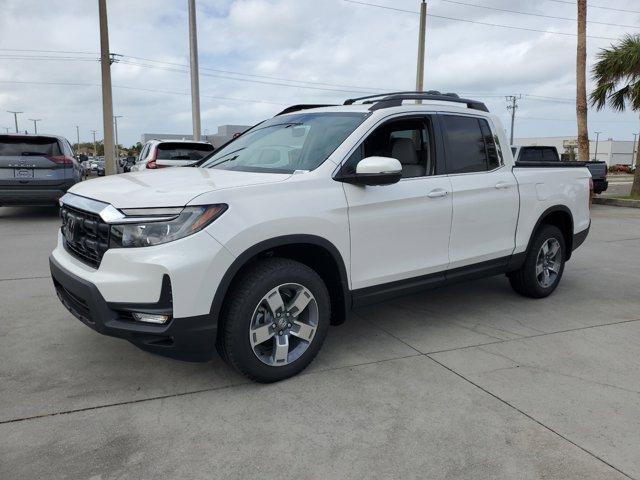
[{"x": 258, "y": 56}]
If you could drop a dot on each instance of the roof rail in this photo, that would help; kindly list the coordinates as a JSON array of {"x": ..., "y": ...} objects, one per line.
[
  {"x": 395, "y": 99},
  {"x": 295, "y": 108}
]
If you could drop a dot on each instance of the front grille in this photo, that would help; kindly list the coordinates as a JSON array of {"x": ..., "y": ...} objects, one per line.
[{"x": 86, "y": 235}]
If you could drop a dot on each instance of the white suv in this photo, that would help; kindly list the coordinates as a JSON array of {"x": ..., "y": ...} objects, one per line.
[
  {"x": 307, "y": 215},
  {"x": 170, "y": 153}
]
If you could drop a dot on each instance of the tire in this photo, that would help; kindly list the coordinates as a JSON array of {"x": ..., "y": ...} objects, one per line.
[
  {"x": 526, "y": 281},
  {"x": 248, "y": 317}
]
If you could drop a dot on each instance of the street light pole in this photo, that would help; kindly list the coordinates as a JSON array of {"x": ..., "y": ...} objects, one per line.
[
  {"x": 6, "y": 129},
  {"x": 597, "y": 139},
  {"x": 115, "y": 121},
  {"x": 107, "y": 103},
  {"x": 78, "y": 134},
  {"x": 15, "y": 118},
  {"x": 95, "y": 146},
  {"x": 193, "y": 61},
  {"x": 35, "y": 124},
  {"x": 421, "y": 46}
]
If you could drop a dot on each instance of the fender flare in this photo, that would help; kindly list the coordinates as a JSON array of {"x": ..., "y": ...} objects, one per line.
[
  {"x": 281, "y": 241},
  {"x": 545, "y": 214}
]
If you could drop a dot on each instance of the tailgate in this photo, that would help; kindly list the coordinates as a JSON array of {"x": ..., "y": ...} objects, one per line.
[
  {"x": 33, "y": 160},
  {"x": 598, "y": 170}
]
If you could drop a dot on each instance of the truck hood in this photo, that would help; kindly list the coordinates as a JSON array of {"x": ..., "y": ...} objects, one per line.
[{"x": 167, "y": 187}]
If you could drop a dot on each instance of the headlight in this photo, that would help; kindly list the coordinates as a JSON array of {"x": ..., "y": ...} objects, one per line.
[{"x": 149, "y": 232}]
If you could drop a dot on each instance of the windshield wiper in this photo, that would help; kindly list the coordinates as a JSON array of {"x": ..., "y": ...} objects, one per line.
[
  {"x": 235, "y": 157},
  {"x": 32, "y": 154}
]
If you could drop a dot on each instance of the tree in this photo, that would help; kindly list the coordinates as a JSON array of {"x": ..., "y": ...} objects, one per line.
[
  {"x": 581, "y": 83},
  {"x": 617, "y": 77}
]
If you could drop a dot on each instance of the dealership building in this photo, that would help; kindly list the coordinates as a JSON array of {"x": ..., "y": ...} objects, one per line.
[
  {"x": 612, "y": 152},
  {"x": 224, "y": 134}
]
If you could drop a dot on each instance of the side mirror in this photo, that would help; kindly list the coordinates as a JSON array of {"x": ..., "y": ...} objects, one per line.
[{"x": 375, "y": 171}]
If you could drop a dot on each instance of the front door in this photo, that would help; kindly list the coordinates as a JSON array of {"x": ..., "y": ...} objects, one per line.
[{"x": 400, "y": 231}]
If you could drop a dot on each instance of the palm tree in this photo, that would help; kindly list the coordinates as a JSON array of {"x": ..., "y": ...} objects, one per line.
[
  {"x": 617, "y": 77},
  {"x": 581, "y": 83}
]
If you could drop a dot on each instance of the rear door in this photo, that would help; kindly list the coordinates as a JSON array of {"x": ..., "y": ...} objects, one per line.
[
  {"x": 485, "y": 193},
  {"x": 181, "y": 154},
  {"x": 33, "y": 160}
]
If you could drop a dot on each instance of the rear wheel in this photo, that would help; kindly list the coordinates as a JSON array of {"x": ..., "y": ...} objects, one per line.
[
  {"x": 275, "y": 321},
  {"x": 543, "y": 267}
]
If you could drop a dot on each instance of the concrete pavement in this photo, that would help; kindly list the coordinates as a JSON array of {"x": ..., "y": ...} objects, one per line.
[{"x": 470, "y": 381}]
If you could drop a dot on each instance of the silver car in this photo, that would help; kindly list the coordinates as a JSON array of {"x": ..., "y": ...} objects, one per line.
[{"x": 36, "y": 169}]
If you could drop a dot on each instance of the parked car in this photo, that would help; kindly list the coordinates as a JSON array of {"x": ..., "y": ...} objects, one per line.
[
  {"x": 127, "y": 163},
  {"x": 541, "y": 154},
  {"x": 36, "y": 169},
  {"x": 171, "y": 153},
  {"x": 307, "y": 215},
  {"x": 100, "y": 168}
]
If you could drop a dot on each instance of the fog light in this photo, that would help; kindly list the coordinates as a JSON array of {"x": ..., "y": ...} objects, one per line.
[{"x": 151, "y": 317}]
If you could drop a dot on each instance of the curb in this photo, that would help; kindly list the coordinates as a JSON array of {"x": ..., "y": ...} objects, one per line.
[{"x": 617, "y": 202}]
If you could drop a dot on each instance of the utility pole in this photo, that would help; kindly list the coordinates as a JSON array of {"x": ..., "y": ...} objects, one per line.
[
  {"x": 15, "y": 118},
  {"x": 195, "y": 79},
  {"x": 421, "y": 47},
  {"x": 78, "y": 134},
  {"x": 115, "y": 121},
  {"x": 595, "y": 158},
  {"x": 35, "y": 124},
  {"x": 107, "y": 103},
  {"x": 95, "y": 146},
  {"x": 512, "y": 107}
]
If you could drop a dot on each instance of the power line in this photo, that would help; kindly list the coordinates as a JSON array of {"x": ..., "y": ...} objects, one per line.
[
  {"x": 263, "y": 82},
  {"x": 252, "y": 75},
  {"x": 151, "y": 90},
  {"x": 46, "y": 51},
  {"x": 566, "y": 34},
  {"x": 597, "y": 6},
  {"x": 541, "y": 15}
]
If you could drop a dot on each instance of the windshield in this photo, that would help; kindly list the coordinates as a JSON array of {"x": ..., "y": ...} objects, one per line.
[{"x": 288, "y": 143}]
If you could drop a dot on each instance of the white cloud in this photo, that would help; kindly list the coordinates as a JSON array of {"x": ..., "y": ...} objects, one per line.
[{"x": 328, "y": 41}]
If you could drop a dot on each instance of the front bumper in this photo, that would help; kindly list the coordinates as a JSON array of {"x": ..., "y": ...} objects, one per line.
[{"x": 187, "y": 338}]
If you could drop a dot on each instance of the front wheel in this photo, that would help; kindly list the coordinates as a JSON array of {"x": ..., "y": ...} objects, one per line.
[
  {"x": 275, "y": 320},
  {"x": 543, "y": 267}
]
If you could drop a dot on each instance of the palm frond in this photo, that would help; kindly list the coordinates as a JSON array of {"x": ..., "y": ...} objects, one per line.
[{"x": 616, "y": 66}]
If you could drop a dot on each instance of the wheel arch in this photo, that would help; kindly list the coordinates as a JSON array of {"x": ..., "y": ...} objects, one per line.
[
  {"x": 316, "y": 252},
  {"x": 559, "y": 216}
]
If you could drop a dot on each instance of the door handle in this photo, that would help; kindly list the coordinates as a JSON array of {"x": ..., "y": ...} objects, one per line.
[
  {"x": 502, "y": 185},
  {"x": 437, "y": 193}
]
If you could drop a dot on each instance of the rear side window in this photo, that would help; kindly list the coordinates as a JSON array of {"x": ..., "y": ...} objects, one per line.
[
  {"x": 471, "y": 147},
  {"x": 183, "y": 151},
  {"x": 24, "y": 146},
  {"x": 549, "y": 155},
  {"x": 531, "y": 155}
]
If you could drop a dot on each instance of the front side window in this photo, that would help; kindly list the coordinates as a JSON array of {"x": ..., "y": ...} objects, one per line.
[
  {"x": 288, "y": 143},
  {"x": 409, "y": 141}
]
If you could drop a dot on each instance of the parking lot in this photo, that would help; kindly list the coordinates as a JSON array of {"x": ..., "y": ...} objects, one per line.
[{"x": 470, "y": 381}]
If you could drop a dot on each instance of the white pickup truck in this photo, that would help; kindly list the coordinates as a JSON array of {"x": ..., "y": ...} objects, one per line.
[{"x": 307, "y": 215}]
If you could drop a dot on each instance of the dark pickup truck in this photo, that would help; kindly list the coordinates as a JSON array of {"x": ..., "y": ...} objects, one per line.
[{"x": 548, "y": 154}]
